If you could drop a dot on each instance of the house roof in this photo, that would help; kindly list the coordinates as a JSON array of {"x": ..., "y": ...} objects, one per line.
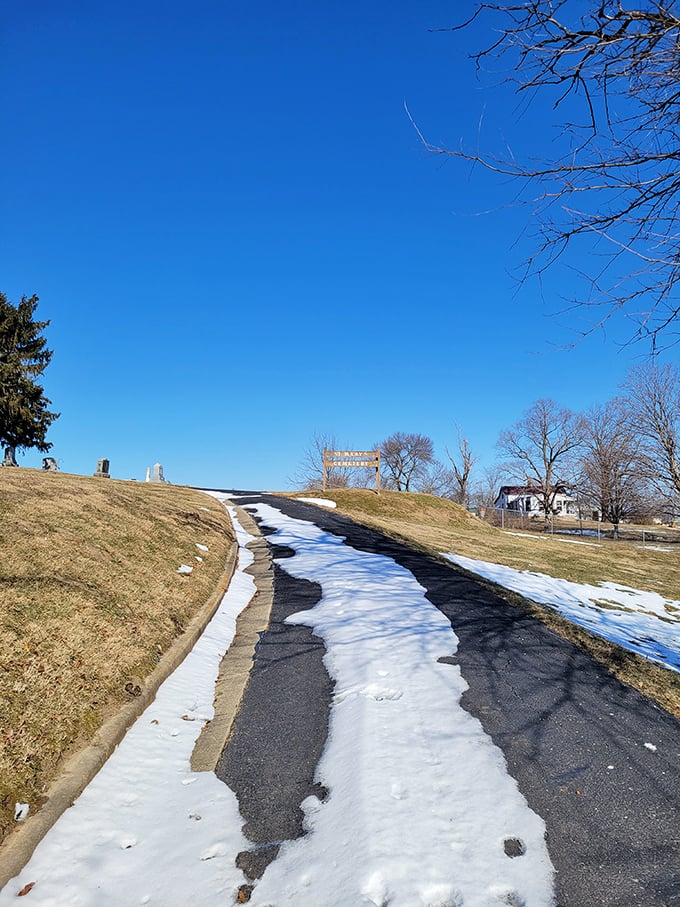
[
  {"x": 528, "y": 489},
  {"x": 518, "y": 489}
]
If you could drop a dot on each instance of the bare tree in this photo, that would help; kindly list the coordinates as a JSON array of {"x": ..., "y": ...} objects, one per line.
[
  {"x": 610, "y": 473},
  {"x": 611, "y": 184},
  {"x": 310, "y": 471},
  {"x": 437, "y": 480},
  {"x": 462, "y": 468},
  {"x": 405, "y": 458},
  {"x": 541, "y": 448},
  {"x": 486, "y": 488},
  {"x": 653, "y": 401}
]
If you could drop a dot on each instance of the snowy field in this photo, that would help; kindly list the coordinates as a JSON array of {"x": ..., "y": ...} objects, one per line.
[
  {"x": 642, "y": 622},
  {"x": 421, "y": 810}
]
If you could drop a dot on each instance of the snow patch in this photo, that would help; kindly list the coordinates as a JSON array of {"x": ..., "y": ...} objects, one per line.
[
  {"x": 419, "y": 798},
  {"x": 322, "y": 502},
  {"x": 20, "y": 811},
  {"x": 643, "y": 622}
]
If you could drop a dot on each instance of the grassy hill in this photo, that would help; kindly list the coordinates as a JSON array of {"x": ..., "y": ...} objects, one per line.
[{"x": 90, "y": 598}]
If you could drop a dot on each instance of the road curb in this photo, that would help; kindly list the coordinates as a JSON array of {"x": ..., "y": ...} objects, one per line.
[
  {"x": 81, "y": 768},
  {"x": 235, "y": 667}
]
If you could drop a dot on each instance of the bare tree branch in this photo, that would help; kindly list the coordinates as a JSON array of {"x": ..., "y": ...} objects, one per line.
[
  {"x": 653, "y": 403},
  {"x": 462, "y": 468},
  {"x": 611, "y": 473},
  {"x": 622, "y": 66},
  {"x": 309, "y": 473}
]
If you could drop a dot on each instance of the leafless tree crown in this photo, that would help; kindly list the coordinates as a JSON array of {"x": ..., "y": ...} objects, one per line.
[
  {"x": 310, "y": 471},
  {"x": 653, "y": 396},
  {"x": 611, "y": 477},
  {"x": 462, "y": 463},
  {"x": 405, "y": 457},
  {"x": 541, "y": 448},
  {"x": 611, "y": 188}
]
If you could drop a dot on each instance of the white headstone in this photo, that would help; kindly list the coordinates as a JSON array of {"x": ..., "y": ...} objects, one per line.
[{"x": 102, "y": 469}]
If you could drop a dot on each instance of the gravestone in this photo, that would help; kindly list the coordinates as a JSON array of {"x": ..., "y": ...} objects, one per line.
[
  {"x": 10, "y": 458},
  {"x": 102, "y": 469},
  {"x": 157, "y": 474},
  {"x": 50, "y": 464}
]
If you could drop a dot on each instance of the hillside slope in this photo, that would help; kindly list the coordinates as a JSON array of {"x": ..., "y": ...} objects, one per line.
[{"x": 90, "y": 598}]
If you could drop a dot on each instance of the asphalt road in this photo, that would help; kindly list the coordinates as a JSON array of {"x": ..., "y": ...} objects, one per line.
[{"x": 573, "y": 736}]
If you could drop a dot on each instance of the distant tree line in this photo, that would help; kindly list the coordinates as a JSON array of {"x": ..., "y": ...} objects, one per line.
[{"x": 620, "y": 458}]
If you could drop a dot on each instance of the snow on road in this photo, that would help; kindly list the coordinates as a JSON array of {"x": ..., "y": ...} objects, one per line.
[
  {"x": 643, "y": 622},
  {"x": 421, "y": 811}
]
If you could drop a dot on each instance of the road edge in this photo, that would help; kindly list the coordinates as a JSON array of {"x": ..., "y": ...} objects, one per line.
[{"x": 238, "y": 660}]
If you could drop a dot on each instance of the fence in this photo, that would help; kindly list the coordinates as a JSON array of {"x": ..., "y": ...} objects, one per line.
[{"x": 510, "y": 520}]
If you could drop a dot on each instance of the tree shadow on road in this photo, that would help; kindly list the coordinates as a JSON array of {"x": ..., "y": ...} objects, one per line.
[{"x": 594, "y": 758}]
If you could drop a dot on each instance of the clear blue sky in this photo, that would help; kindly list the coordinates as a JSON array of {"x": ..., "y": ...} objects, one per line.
[{"x": 240, "y": 240}]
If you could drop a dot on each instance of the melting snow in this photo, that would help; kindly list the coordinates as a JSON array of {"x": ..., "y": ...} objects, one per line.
[
  {"x": 20, "y": 811},
  {"x": 322, "y": 502},
  {"x": 553, "y": 538},
  {"x": 421, "y": 810},
  {"x": 643, "y": 622},
  {"x": 420, "y": 802}
]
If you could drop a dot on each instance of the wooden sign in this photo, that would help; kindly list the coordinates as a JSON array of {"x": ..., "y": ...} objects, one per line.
[{"x": 368, "y": 459}]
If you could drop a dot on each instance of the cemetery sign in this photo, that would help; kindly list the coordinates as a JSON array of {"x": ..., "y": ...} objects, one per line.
[{"x": 368, "y": 459}]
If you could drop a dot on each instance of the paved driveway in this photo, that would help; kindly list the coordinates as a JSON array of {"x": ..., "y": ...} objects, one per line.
[{"x": 595, "y": 759}]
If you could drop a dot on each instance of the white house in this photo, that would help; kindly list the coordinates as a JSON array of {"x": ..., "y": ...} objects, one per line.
[{"x": 527, "y": 499}]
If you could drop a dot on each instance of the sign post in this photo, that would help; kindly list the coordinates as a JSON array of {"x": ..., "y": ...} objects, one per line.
[{"x": 368, "y": 459}]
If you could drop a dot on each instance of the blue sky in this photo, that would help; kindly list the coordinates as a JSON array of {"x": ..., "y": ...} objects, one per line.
[{"x": 240, "y": 241}]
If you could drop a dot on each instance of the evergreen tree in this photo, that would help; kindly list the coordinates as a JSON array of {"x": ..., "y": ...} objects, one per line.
[{"x": 24, "y": 416}]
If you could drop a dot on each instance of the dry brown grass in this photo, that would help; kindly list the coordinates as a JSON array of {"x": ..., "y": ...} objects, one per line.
[
  {"x": 90, "y": 598},
  {"x": 437, "y": 525}
]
